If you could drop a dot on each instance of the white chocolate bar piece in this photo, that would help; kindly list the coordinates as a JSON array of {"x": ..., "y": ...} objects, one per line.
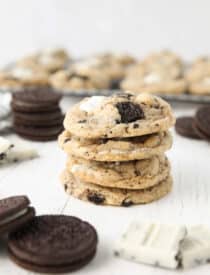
[
  {"x": 5, "y": 145},
  {"x": 195, "y": 249},
  {"x": 19, "y": 152},
  {"x": 154, "y": 244}
]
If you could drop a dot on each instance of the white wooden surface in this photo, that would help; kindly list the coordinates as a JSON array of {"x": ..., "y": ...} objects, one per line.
[{"x": 188, "y": 203}]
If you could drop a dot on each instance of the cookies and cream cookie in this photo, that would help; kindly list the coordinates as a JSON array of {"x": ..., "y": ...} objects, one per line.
[
  {"x": 121, "y": 115},
  {"x": 50, "y": 60},
  {"x": 22, "y": 76},
  {"x": 74, "y": 80},
  {"x": 116, "y": 149},
  {"x": 198, "y": 77},
  {"x": 113, "y": 196},
  {"x": 154, "y": 83},
  {"x": 137, "y": 174}
]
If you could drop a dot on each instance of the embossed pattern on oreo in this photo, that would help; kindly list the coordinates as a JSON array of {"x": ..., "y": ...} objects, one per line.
[{"x": 53, "y": 240}]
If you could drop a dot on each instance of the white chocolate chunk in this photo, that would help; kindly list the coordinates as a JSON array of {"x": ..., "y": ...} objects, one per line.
[
  {"x": 78, "y": 167},
  {"x": 195, "y": 249},
  {"x": 5, "y": 145},
  {"x": 91, "y": 103},
  {"x": 19, "y": 152},
  {"x": 153, "y": 244}
]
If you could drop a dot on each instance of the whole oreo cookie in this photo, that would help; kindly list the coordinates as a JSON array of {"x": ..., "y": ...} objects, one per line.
[
  {"x": 202, "y": 121},
  {"x": 14, "y": 213},
  {"x": 38, "y": 119},
  {"x": 40, "y": 95},
  {"x": 38, "y": 133},
  {"x": 53, "y": 244},
  {"x": 185, "y": 127},
  {"x": 35, "y": 100}
]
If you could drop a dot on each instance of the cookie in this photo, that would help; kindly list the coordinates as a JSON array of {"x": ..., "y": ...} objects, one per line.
[
  {"x": 53, "y": 244},
  {"x": 79, "y": 80},
  {"x": 36, "y": 119},
  {"x": 14, "y": 213},
  {"x": 35, "y": 100},
  {"x": 116, "y": 149},
  {"x": 184, "y": 127},
  {"x": 121, "y": 115},
  {"x": 49, "y": 60},
  {"x": 137, "y": 174},
  {"x": 199, "y": 132},
  {"x": 38, "y": 133},
  {"x": 113, "y": 196},
  {"x": 154, "y": 84},
  {"x": 198, "y": 77},
  {"x": 202, "y": 120}
]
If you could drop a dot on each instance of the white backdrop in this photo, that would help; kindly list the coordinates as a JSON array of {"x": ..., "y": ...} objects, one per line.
[{"x": 83, "y": 26}]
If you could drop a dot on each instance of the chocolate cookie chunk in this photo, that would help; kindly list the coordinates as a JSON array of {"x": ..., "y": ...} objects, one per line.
[
  {"x": 53, "y": 244},
  {"x": 184, "y": 127},
  {"x": 129, "y": 112},
  {"x": 202, "y": 120},
  {"x": 14, "y": 213}
]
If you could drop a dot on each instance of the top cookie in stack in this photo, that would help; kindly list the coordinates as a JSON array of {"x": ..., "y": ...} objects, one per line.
[{"x": 115, "y": 148}]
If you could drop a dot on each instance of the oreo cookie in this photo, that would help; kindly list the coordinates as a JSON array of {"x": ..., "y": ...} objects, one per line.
[
  {"x": 36, "y": 114},
  {"x": 38, "y": 133},
  {"x": 37, "y": 119},
  {"x": 53, "y": 244},
  {"x": 202, "y": 121},
  {"x": 14, "y": 213},
  {"x": 185, "y": 127}
]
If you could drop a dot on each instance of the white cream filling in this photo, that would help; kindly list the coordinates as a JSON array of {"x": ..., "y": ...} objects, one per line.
[
  {"x": 14, "y": 217},
  {"x": 91, "y": 103}
]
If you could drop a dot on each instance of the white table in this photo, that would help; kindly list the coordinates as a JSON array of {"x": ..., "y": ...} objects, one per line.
[{"x": 189, "y": 202}]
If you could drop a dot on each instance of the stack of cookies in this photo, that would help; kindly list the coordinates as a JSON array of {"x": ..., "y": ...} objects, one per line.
[
  {"x": 36, "y": 114},
  {"x": 115, "y": 147}
]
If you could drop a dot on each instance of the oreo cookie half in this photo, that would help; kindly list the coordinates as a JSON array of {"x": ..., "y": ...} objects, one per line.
[{"x": 14, "y": 213}]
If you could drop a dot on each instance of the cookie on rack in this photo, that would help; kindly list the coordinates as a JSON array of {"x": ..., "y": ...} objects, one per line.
[
  {"x": 121, "y": 115},
  {"x": 136, "y": 174},
  {"x": 116, "y": 149},
  {"x": 22, "y": 76},
  {"x": 74, "y": 80},
  {"x": 49, "y": 60},
  {"x": 198, "y": 77},
  {"x": 113, "y": 196},
  {"x": 154, "y": 83}
]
